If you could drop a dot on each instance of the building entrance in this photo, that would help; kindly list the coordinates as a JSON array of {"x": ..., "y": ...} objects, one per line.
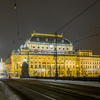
[{"x": 25, "y": 70}]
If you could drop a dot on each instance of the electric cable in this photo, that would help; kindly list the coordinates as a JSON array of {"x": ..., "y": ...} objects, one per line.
[
  {"x": 77, "y": 16},
  {"x": 87, "y": 37},
  {"x": 15, "y": 7},
  {"x": 85, "y": 33}
]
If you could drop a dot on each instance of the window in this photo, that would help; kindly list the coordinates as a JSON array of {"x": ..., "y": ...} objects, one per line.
[
  {"x": 59, "y": 48},
  {"x": 31, "y": 66},
  {"x": 31, "y": 62},
  {"x": 38, "y": 47},
  {"x": 42, "y": 47},
  {"x": 31, "y": 57},
  {"x": 73, "y": 66},
  {"x": 16, "y": 66},
  {"x": 66, "y": 66},
  {"x": 67, "y": 48},
  {"x": 63, "y": 48},
  {"x": 35, "y": 66},
  {"x": 46, "y": 47},
  {"x": 35, "y": 62},
  {"x": 39, "y": 66},
  {"x": 33, "y": 46}
]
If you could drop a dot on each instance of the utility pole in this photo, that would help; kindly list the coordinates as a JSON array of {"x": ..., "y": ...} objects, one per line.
[{"x": 56, "y": 74}]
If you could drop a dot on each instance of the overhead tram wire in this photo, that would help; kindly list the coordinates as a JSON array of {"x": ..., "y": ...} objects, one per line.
[
  {"x": 85, "y": 33},
  {"x": 15, "y": 7},
  {"x": 77, "y": 16},
  {"x": 87, "y": 37},
  {"x": 65, "y": 26}
]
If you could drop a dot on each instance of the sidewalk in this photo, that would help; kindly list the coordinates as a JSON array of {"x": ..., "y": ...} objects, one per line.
[
  {"x": 86, "y": 83},
  {"x": 6, "y": 93}
]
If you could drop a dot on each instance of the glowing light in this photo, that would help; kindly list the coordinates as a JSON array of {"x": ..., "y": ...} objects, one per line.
[
  {"x": 51, "y": 46},
  {"x": 14, "y": 6}
]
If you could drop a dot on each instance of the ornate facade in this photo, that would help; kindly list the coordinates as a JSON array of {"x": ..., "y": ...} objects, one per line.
[{"x": 39, "y": 53}]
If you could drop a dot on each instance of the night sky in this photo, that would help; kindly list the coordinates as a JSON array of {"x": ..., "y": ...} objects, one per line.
[{"x": 48, "y": 16}]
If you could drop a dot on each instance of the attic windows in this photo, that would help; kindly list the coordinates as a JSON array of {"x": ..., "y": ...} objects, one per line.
[
  {"x": 46, "y": 39},
  {"x": 37, "y": 39}
]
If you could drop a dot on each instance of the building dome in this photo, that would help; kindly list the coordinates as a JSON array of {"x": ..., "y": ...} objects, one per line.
[
  {"x": 49, "y": 38},
  {"x": 8, "y": 61}
]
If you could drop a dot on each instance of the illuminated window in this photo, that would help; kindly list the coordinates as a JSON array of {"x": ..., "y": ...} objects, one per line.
[
  {"x": 81, "y": 66},
  {"x": 31, "y": 66},
  {"x": 70, "y": 66},
  {"x": 16, "y": 66},
  {"x": 44, "y": 63},
  {"x": 35, "y": 66},
  {"x": 43, "y": 66},
  {"x": 39, "y": 66}
]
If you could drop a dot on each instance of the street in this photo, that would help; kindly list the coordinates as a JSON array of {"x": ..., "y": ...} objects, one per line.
[{"x": 43, "y": 90}]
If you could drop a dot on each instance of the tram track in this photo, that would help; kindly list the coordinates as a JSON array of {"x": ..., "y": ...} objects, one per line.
[{"x": 42, "y": 91}]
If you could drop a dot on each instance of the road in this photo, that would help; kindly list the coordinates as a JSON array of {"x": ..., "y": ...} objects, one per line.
[{"x": 43, "y": 90}]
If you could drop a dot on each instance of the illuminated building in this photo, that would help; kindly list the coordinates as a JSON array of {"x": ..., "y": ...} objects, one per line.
[
  {"x": 8, "y": 66},
  {"x": 2, "y": 67},
  {"x": 38, "y": 52}
]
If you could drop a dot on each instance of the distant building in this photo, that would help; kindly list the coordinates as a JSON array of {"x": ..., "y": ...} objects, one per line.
[
  {"x": 8, "y": 66},
  {"x": 39, "y": 53},
  {"x": 2, "y": 67}
]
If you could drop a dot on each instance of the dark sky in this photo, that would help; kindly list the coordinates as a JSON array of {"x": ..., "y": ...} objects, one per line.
[{"x": 47, "y": 16}]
